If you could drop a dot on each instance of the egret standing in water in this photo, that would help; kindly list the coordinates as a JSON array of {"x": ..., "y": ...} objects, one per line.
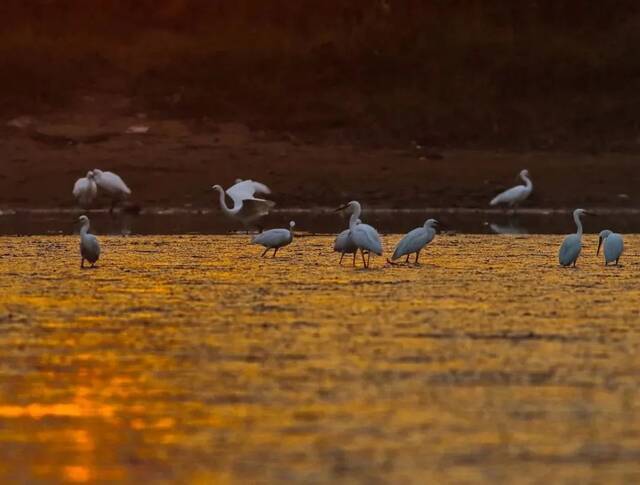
[
  {"x": 613, "y": 246},
  {"x": 85, "y": 190},
  {"x": 515, "y": 195},
  {"x": 414, "y": 241},
  {"x": 113, "y": 185},
  {"x": 345, "y": 245},
  {"x": 274, "y": 238},
  {"x": 364, "y": 236},
  {"x": 246, "y": 207},
  {"x": 89, "y": 245},
  {"x": 572, "y": 244}
]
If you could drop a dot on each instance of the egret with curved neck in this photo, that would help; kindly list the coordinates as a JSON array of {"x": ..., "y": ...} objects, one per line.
[
  {"x": 572, "y": 244},
  {"x": 364, "y": 236},
  {"x": 515, "y": 195},
  {"x": 613, "y": 246},
  {"x": 246, "y": 207},
  {"x": 89, "y": 245}
]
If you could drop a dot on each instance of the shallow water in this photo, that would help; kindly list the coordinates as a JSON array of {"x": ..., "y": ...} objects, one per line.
[
  {"x": 317, "y": 221},
  {"x": 190, "y": 359}
]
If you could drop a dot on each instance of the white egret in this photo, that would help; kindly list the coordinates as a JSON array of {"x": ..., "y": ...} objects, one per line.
[
  {"x": 274, "y": 238},
  {"x": 113, "y": 185},
  {"x": 414, "y": 241},
  {"x": 364, "y": 236},
  {"x": 613, "y": 246},
  {"x": 246, "y": 208},
  {"x": 89, "y": 245},
  {"x": 515, "y": 195},
  {"x": 572, "y": 244},
  {"x": 345, "y": 245},
  {"x": 85, "y": 190}
]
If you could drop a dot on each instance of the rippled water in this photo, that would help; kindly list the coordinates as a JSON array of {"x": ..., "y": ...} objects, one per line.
[{"x": 190, "y": 359}]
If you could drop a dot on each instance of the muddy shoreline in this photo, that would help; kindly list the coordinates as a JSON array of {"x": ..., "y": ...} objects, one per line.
[{"x": 175, "y": 163}]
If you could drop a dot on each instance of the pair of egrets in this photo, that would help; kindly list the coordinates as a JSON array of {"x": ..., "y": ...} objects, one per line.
[
  {"x": 85, "y": 189},
  {"x": 571, "y": 247},
  {"x": 365, "y": 238}
]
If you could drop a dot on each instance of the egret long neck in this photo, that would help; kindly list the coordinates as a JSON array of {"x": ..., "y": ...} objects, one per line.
[
  {"x": 576, "y": 218},
  {"x": 84, "y": 229},
  {"x": 527, "y": 181},
  {"x": 355, "y": 215},
  {"x": 223, "y": 202}
]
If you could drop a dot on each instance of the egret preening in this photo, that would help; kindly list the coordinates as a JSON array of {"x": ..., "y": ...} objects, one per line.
[
  {"x": 572, "y": 244},
  {"x": 85, "y": 190},
  {"x": 364, "y": 236},
  {"x": 274, "y": 238},
  {"x": 113, "y": 185},
  {"x": 613, "y": 246},
  {"x": 515, "y": 195},
  {"x": 345, "y": 245},
  {"x": 414, "y": 241},
  {"x": 246, "y": 208},
  {"x": 89, "y": 245}
]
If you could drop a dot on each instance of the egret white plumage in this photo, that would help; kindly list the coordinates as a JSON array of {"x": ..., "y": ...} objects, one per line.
[
  {"x": 415, "y": 240},
  {"x": 515, "y": 195},
  {"x": 345, "y": 245},
  {"x": 364, "y": 236},
  {"x": 246, "y": 207},
  {"x": 113, "y": 185},
  {"x": 613, "y": 246},
  {"x": 274, "y": 238},
  {"x": 85, "y": 190},
  {"x": 572, "y": 244},
  {"x": 89, "y": 245}
]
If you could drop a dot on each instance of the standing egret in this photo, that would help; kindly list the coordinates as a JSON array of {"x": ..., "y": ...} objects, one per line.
[
  {"x": 572, "y": 244},
  {"x": 89, "y": 245},
  {"x": 345, "y": 245},
  {"x": 613, "y": 246},
  {"x": 85, "y": 190},
  {"x": 364, "y": 236},
  {"x": 414, "y": 241},
  {"x": 246, "y": 208},
  {"x": 113, "y": 185},
  {"x": 274, "y": 238},
  {"x": 515, "y": 195}
]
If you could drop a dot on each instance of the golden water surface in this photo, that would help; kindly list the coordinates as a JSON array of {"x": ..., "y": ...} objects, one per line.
[{"x": 189, "y": 359}]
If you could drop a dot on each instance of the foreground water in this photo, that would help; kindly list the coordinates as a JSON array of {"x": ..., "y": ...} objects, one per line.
[{"x": 190, "y": 359}]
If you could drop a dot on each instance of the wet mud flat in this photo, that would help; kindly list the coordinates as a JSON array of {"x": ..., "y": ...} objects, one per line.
[{"x": 190, "y": 359}]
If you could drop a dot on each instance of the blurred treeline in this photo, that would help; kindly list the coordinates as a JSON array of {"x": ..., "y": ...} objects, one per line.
[{"x": 528, "y": 73}]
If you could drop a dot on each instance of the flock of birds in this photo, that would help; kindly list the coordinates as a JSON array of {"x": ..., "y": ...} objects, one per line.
[{"x": 358, "y": 237}]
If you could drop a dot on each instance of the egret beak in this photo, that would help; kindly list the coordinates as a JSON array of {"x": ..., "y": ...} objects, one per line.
[
  {"x": 341, "y": 208},
  {"x": 441, "y": 225},
  {"x": 599, "y": 244},
  {"x": 587, "y": 213}
]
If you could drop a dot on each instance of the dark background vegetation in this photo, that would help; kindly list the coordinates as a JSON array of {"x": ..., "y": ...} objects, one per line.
[{"x": 527, "y": 74}]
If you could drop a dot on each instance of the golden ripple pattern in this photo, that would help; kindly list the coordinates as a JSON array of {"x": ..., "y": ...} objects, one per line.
[{"x": 189, "y": 359}]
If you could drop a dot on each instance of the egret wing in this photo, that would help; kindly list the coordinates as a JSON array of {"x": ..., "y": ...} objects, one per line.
[
  {"x": 570, "y": 250},
  {"x": 246, "y": 190},
  {"x": 80, "y": 185},
  {"x": 509, "y": 196}
]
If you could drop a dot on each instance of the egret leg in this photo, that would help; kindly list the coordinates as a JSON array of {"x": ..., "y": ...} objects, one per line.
[
  {"x": 417, "y": 256},
  {"x": 82, "y": 263},
  {"x": 368, "y": 258},
  {"x": 340, "y": 263},
  {"x": 407, "y": 260},
  {"x": 574, "y": 263},
  {"x": 274, "y": 253},
  {"x": 364, "y": 263},
  {"x": 355, "y": 253},
  {"x": 617, "y": 261},
  {"x": 265, "y": 252}
]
